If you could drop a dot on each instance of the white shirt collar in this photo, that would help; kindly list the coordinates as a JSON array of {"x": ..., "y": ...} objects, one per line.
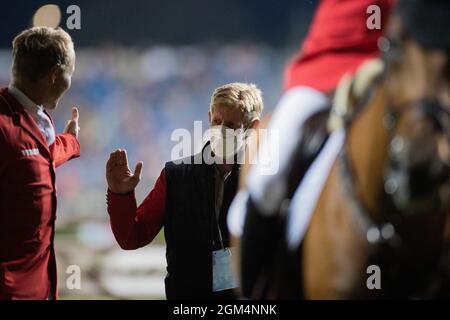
[
  {"x": 42, "y": 120},
  {"x": 24, "y": 100}
]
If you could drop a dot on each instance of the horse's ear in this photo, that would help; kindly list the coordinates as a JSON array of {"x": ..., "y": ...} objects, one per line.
[{"x": 395, "y": 30}]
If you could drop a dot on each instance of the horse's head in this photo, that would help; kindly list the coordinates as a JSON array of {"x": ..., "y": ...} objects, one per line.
[{"x": 418, "y": 113}]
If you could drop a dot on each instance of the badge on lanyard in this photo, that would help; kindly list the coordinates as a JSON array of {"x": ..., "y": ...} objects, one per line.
[{"x": 223, "y": 277}]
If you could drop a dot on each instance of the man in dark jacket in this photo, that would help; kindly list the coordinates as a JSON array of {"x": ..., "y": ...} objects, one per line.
[{"x": 190, "y": 200}]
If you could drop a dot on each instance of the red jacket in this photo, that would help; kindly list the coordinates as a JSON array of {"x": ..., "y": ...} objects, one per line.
[
  {"x": 338, "y": 41},
  {"x": 28, "y": 202}
]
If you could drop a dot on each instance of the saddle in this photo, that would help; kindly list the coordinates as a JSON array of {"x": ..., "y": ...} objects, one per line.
[{"x": 348, "y": 98}]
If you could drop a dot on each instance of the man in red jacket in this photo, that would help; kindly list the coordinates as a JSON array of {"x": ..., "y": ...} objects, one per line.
[{"x": 43, "y": 63}]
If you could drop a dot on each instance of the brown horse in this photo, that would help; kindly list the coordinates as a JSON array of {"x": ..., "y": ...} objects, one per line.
[{"x": 386, "y": 201}]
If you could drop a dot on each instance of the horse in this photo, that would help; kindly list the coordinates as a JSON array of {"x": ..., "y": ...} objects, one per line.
[{"x": 384, "y": 209}]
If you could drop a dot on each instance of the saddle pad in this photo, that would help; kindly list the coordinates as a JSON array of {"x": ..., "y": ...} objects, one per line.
[{"x": 307, "y": 194}]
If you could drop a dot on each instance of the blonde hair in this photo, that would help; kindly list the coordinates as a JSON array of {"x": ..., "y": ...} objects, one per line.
[
  {"x": 38, "y": 49},
  {"x": 244, "y": 96}
]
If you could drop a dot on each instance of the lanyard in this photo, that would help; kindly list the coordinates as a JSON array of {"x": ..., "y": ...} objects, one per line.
[
  {"x": 217, "y": 209},
  {"x": 220, "y": 232}
]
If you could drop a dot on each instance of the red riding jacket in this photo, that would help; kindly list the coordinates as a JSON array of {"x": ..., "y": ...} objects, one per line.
[
  {"x": 28, "y": 202},
  {"x": 338, "y": 41}
]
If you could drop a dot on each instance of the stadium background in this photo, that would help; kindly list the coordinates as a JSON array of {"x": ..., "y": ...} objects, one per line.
[{"x": 144, "y": 69}]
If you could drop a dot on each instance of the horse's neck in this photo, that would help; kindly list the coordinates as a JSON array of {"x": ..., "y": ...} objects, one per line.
[{"x": 368, "y": 146}]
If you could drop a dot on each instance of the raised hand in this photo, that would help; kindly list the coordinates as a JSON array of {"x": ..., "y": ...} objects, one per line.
[
  {"x": 72, "y": 124},
  {"x": 118, "y": 174}
]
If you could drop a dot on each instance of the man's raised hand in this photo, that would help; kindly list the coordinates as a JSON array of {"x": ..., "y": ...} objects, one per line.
[
  {"x": 118, "y": 174},
  {"x": 72, "y": 124}
]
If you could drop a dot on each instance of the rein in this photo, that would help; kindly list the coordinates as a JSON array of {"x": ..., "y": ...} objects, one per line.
[{"x": 374, "y": 231}]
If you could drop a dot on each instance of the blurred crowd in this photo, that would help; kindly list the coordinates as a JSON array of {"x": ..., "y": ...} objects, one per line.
[{"x": 134, "y": 99}]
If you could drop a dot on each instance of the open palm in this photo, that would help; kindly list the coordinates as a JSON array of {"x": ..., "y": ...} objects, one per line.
[{"x": 118, "y": 174}]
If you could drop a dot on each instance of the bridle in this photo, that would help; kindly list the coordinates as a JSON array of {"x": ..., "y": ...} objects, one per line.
[{"x": 383, "y": 232}]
